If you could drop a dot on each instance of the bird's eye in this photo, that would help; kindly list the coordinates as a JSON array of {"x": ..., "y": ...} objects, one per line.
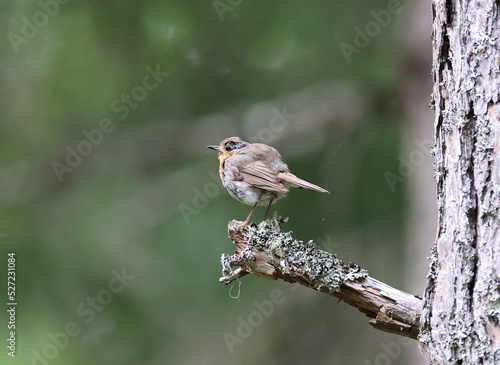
[{"x": 229, "y": 146}]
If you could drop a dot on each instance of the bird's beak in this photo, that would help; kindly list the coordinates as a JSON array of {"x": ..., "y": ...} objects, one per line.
[{"x": 216, "y": 148}]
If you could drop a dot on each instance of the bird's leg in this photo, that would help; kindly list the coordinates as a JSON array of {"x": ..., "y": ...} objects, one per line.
[
  {"x": 248, "y": 218},
  {"x": 269, "y": 206}
]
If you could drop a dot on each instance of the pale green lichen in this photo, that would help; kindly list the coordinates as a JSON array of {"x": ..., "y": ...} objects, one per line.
[{"x": 294, "y": 257}]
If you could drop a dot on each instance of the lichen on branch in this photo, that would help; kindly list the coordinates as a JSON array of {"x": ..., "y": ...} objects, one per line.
[
  {"x": 264, "y": 250},
  {"x": 272, "y": 254}
]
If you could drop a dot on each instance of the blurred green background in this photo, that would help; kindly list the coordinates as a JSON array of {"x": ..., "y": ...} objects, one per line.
[{"x": 107, "y": 191}]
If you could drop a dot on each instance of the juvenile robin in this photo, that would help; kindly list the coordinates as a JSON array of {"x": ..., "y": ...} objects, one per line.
[{"x": 254, "y": 174}]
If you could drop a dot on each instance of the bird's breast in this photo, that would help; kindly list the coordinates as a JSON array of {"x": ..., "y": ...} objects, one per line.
[{"x": 222, "y": 159}]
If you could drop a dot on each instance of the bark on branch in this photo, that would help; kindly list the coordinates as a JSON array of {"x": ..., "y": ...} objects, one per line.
[{"x": 267, "y": 252}]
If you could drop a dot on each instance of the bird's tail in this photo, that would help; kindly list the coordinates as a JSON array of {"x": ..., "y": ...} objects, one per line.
[{"x": 296, "y": 182}]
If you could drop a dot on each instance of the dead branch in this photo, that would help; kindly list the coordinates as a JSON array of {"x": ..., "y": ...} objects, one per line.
[{"x": 265, "y": 251}]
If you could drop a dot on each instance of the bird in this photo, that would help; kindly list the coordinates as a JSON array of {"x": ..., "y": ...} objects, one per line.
[{"x": 255, "y": 174}]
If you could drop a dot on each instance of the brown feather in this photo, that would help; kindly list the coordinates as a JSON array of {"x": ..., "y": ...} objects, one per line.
[
  {"x": 260, "y": 175},
  {"x": 299, "y": 183}
]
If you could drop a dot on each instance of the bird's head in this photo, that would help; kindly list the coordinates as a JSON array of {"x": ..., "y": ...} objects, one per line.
[{"x": 229, "y": 146}]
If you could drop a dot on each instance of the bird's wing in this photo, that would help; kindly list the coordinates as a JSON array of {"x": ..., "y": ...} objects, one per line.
[
  {"x": 299, "y": 183},
  {"x": 260, "y": 175}
]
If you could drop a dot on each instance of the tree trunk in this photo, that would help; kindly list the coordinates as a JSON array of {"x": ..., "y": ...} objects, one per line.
[{"x": 461, "y": 315}]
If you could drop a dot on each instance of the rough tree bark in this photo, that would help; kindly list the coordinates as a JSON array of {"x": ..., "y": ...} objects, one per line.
[{"x": 461, "y": 315}]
